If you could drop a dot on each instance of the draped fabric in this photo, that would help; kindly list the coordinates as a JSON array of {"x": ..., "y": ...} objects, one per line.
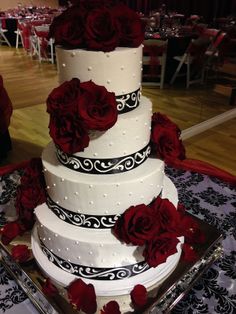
[{"x": 5, "y": 108}]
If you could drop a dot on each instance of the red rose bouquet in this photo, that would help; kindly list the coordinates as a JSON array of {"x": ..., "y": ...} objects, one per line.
[
  {"x": 97, "y": 25},
  {"x": 75, "y": 108}
]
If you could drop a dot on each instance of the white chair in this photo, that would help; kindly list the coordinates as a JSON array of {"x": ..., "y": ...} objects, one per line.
[
  {"x": 43, "y": 45},
  {"x": 19, "y": 38},
  {"x": 154, "y": 62},
  {"x": 193, "y": 58},
  {"x": 3, "y": 38}
]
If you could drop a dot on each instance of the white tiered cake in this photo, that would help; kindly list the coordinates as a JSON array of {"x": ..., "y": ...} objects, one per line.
[{"x": 89, "y": 190}]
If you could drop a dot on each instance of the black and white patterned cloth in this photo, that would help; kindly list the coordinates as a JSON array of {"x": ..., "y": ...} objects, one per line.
[{"x": 207, "y": 198}]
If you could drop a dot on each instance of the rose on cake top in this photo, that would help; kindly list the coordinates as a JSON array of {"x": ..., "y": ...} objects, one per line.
[
  {"x": 77, "y": 108},
  {"x": 97, "y": 25}
]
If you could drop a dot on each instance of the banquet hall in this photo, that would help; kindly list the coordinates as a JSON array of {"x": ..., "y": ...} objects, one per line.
[{"x": 189, "y": 74}]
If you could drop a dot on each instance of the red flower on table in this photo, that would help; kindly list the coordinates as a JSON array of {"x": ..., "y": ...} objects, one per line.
[
  {"x": 111, "y": 307},
  {"x": 30, "y": 193},
  {"x": 157, "y": 250},
  {"x": 166, "y": 214},
  {"x": 49, "y": 289},
  {"x": 137, "y": 225},
  {"x": 165, "y": 138},
  {"x": 82, "y": 296},
  {"x": 10, "y": 231},
  {"x": 139, "y": 296},
  {"x": 20, "y": 253}
]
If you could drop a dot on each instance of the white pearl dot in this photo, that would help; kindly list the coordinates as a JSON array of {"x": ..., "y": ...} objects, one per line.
[
  {"x": 51, "y": 250},
  {"x": 106, "y": 212},
  {"x": 90, "y": 186},
  {"x": 54, "y": 184},
  {"x": 101, "y": 245},
  {"x": 134, "y": 75},
  {"x": 76, "y": 193},
  {"x": 57, "y": 202},
  {"x": 68, "y": 260},
  {"x": 130, "y": 193},
  {"x": 118, "y": 203},
  {"x": 117, "y": 184},
  {"x": 73, "y": 54},
  {"x": 107, "y": 55},
  {"x": 89, "y": 68},
  {"x": 49, "y": 239},
  {"x": 124, "y": 132},
  {"x": 67, "y": 249},
  {"x": 44, "y": 169},
  {"x": 56, "y": 235},
  {"x": 108, "y": 81},
  {"x": 65, "y": 198},
  {"x": 135, "y": 52},
  {"x": 122, "y": 67},
  {"x": 104, "y": 195},
  {"x": 151, "y": 184},
  {"x": 62, "y": 179},
  {"x": 77, "y": 242},
  {"x": 59, "y": 250},
  {"x": 158, "y": 185},
  {"x": 142, "y": 69},
  {"x": 48, "y": 187},
  {"x": 114, "y": 254},
  {"x": 91, "y": 202},
  {"x": 78, "y": 257},
  {"x": 111, "y": 144},
  {"x": 142, "y": 197},
  {"x": 64, "y": 65},
  {"x": 95, "y": 154},
  {"x": 90, "y": 253},
  {"x": 78, "y": 211},
  {"x": 91, "y": 264},
  {"x": 141, "y": 181},
  {"x": 123, "y": 92}
]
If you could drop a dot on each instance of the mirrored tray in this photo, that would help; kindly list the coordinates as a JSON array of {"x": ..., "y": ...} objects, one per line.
[{"x": 171, "y": 291}]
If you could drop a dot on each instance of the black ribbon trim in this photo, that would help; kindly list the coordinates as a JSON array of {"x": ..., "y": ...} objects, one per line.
[
  {"x": 96, "y": 273},
  {"x": 83, "y": 220},
  {"x": 105, "y": 165},
  {"x": 128, "y": 102}
]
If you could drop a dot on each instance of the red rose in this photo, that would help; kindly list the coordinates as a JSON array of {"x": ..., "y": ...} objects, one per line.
[
  {"x": 189, "y": 254},
  {"x": 64, "y": 98},
  {"x": 191, "y": 231},
  {"x": 139, "y": 296},
  {"x": 30, "y": 193},
  {"x": 131, "y": 31},
  {"x": 101, "y": 30},
  {"x": 10, "y": 231},
  {"x": 157, "y": 250},
  {"x": 165, "y": 138},
  {"x": 111, "y": 307},
  {"x": 68, "y": 133},
  {"x": 137, "y": 225},
  {"x": 97, "y": 107},
  {"x": 20, "y": 253},
  {"x": 166, "y": 214},
  {"x": 49, "y": 289},
  {"x": 67, "y": 29},
  {"x": 82, "y": 296}
]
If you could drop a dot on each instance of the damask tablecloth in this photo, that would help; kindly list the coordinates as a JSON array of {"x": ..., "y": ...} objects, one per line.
[{"x": 208, "y": 198}]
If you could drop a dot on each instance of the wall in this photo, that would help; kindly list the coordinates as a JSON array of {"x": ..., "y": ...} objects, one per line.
[{"x": 8, "y": 4}]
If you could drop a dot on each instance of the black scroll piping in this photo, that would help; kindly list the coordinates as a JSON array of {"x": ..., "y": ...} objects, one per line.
[
  {"x": 96, "y": 273},
  {"x": 128, "y": 102},
  {"x": 82, "y": 220},
  {"x": 105, "y": 165}
]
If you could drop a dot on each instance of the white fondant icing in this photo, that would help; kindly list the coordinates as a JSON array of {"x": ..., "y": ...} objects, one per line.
[{"x": 105, "y": 66}]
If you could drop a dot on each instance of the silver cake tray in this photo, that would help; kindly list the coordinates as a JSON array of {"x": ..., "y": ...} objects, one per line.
[{"x": 168, "y": 294}]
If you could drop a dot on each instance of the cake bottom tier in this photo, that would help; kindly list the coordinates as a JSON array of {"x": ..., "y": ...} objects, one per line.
[{"x": 120, "y": 287}]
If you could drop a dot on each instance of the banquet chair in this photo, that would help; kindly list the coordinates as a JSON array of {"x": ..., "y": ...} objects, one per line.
[
  {"x": 154, "y": 62},
  {"x": 193, "y": 60},
  {"x": 3, "y": 38},
  {"x": 44, "y": 46},
  {"x": 19, "y": 38}
]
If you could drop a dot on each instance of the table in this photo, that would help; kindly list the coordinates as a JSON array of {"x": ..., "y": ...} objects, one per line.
[{"x": 209, "y": 199}]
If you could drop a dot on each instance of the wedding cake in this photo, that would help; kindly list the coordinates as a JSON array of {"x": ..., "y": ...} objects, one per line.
[{"x": 88, "y": 190}]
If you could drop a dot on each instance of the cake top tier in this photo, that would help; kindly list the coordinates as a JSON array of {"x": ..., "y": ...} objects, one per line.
[{"x": 97, "y": 25}]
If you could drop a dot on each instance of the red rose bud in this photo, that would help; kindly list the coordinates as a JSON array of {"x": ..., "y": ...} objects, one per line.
[
  {"x": 111, "y": 307},
  {"x": 10, "y": 231},
  {"x": 189, "y": 254},
  {"x": 20, "y": 253},
  {"x": 49, "y": 289},
  {"x": 82, "y": 296},
  {"x": 139, "y": 296}
]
